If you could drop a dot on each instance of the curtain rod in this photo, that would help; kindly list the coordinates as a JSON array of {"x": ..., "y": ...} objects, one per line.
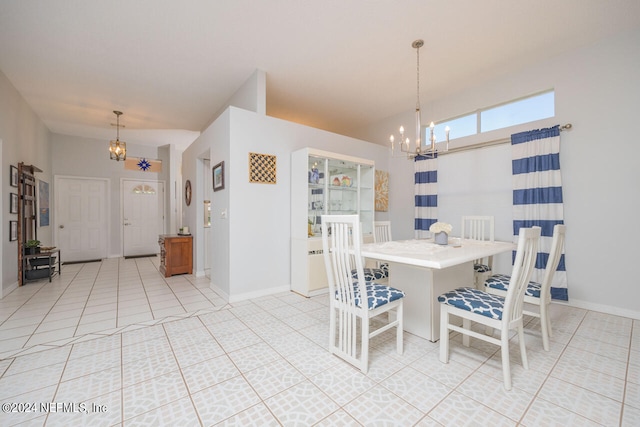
[{"x": 491, "y": 143}]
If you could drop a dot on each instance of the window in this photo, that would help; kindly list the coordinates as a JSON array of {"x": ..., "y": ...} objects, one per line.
[
  {"x": 523, "y": 110},
  {"x": 517, "y": 112},
  {"x": 143, "y": 189},
  {"x": 459, "y": 127}
]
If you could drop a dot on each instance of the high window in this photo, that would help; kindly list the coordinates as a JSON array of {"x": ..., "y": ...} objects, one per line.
[{"x": 523, "y": 110}]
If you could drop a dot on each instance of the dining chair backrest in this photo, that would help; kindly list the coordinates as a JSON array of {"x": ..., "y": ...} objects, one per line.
[
  {"x": 537, "y": 294},
  {"x": 341, "y": 250},
  {"x": 523, "y": 267},
  {"x": 381, "y": 231},
  {"x": 478, "y": 228},
  {"x": 555, "y": 253}
]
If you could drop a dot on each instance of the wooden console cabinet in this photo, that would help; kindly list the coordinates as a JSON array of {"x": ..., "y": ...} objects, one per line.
[{"x": 176, "y": 254}]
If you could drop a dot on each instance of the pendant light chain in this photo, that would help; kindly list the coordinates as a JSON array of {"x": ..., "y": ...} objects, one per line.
[{"x": 418, "y": 79}]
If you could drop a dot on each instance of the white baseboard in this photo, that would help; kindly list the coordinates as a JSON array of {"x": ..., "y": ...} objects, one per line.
[
  {"x": 6, "y": 291},
  {"x": 260, "y": 293},
  {"x": 219, "y": 291},
  {"x": 608, "y": 309},
  {"x": 249, "y": 295}
]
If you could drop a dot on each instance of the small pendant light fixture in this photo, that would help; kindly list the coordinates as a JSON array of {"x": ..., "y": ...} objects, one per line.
[{"x": 117, "y": 148}]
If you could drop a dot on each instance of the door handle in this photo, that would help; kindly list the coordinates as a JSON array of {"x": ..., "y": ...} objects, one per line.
[{"x": 61, "y": 226}]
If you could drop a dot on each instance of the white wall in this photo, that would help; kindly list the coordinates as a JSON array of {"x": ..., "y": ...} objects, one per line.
[
  {"x": 597, "y": 90},
  {"x": 259, "y": 214},
  {"x": 250, "y": 253},
  {"x": 86, "y": 157},
  {"x": 251, "y": 96},
  {"x": 24, "y": 139},
  {"x": 212, "y": 144},
  {"x": 171, "y": 164}
]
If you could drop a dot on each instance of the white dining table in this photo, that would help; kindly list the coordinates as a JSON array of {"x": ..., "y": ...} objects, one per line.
[{"x": 423, "y": 270}]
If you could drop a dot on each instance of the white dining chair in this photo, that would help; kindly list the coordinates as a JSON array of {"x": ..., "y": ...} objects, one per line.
[
  {"x": 502, "y": 313},
  {"x": 479, "y": 228},
  {"x": 355, "y": 301},
  {"x": 379, "y": 273},
  {"x": 381, "y": 234},
  {"x": 538, "y": 294},
  {"x": 381, "y": 231}
]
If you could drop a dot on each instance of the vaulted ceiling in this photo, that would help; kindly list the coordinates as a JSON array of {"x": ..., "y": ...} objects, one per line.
[{"x": 333, "y": 64}]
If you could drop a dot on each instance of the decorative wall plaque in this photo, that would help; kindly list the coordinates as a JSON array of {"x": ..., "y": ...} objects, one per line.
[{"x": 262, "y": 168}]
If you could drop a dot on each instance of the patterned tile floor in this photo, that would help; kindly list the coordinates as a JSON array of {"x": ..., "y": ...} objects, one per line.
[{"x": 171, "y": 352}]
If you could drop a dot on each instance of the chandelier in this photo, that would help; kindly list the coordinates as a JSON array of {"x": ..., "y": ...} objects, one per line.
[
  {"x": 404, "y": 143},
  {"x": 117, "y": 148}
]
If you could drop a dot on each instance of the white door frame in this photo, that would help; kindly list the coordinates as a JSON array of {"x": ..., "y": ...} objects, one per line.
[
  {"x": 164, "y": 206},
  {"x": 56, "y": 224}
]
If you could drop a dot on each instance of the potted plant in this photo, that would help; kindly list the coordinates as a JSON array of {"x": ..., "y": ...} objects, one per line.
[{"x": 32, "y": 247}]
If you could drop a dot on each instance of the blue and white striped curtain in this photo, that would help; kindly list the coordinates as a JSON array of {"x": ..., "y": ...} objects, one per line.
[
  {"x": 537, "y": 196},
  {"x": 426, "y": 194}
]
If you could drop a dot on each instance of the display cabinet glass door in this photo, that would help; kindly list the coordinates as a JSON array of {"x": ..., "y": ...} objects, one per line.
[
  {"x": 342, "y": 187},
  {"x": 334, "y": 190},
  {"x": 366, "y": 197},
  {"x": 317, "y": 191}
]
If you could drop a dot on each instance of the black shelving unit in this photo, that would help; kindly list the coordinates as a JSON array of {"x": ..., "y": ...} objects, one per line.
[
  {"x": 27, "y": 211},
  {"x": 42, "y": 265}
]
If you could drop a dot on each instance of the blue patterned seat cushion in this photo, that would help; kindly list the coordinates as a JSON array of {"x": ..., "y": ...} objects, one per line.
[
  {"x": 377, "y": 295},
  {"x": 475, "y": 301},
  {"x": 372, "y": 274},
  {"x": 501, "y": 282},
  {"x": 385, "y": 268},
  {"x": 481, "y": 268}
]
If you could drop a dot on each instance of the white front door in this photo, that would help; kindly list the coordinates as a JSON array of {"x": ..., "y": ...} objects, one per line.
[
  {"x": 143, "y": 216},
  {"x": 81, "y": 218}
]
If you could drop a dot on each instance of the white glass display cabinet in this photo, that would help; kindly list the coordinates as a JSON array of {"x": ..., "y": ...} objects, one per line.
[{"x": 324, "y": 183}]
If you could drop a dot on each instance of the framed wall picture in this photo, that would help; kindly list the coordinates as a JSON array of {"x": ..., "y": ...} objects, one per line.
[
  {"x": 43, "y": 203},
  {"x": 13, "y": 231},
  {"x": 187, "y": 192},
  {"x": 13, "y": 177},
  {"x": 13, "y": 203},
  {"x": 382, "y": 191},
  {"x": 218, "y": 176}
]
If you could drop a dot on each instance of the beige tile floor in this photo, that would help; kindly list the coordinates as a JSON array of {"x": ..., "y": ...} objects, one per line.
[{"x": 115, "y": 343}]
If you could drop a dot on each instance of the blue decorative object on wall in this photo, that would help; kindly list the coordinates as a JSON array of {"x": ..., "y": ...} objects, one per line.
[{"x": 144, "y": 164}]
